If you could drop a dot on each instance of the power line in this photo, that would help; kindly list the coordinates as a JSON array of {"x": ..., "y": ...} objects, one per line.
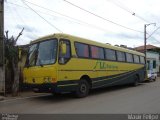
[
  {"x": 150, "y": 36},
  {"x": 153, "y": 32},
  {"x": 24, "y": 22},
  {"x": 102, "y": 17},
  {"x": 70, "y": 18},
  {"x": 29, "y": 9},
  {"x": 155, "y": 39},
  {"x": 13, "y": 12},
  {"x": 97, "y": 27},
  {"x": 13, "y": 17},
  {"x": 42, "y": 17},
  {"x": 127, "y": 10}
]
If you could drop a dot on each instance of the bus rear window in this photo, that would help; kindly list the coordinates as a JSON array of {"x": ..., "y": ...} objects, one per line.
[{"x": 82, "y": 50}]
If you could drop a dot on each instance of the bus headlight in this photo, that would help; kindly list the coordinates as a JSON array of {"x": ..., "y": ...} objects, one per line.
[{"x": 47, "y": 79}]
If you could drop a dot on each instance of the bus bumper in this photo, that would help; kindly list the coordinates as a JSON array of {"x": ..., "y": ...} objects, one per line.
[
  {"x": 42, "y": 88},
  {"x": 51, "y": 88}
]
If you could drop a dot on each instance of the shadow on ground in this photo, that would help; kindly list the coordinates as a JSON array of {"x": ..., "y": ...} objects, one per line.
[{"x": 70, "y": 96}]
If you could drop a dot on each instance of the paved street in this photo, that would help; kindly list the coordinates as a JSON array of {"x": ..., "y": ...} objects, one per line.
[{"x": 144, "y": 98}]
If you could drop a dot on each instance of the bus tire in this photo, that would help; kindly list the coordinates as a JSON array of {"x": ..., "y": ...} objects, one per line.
[
  {"x": 154, "y": 79},
  {"x": 136, "y": 81},
  {"x": 83, "y": 89},
  {"x": 56, "y": 94}
]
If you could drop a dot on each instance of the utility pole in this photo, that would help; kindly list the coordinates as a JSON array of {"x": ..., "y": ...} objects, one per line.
[
  {"x": 2, "y": 66},
  {"x": 145, "y": 40}
]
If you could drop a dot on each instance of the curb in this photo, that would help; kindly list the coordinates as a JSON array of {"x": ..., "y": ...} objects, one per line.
[{"x": 20, "y": 98}]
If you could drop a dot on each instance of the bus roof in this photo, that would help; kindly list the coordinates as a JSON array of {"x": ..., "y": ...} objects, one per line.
[{"x": 86, "y": 41}]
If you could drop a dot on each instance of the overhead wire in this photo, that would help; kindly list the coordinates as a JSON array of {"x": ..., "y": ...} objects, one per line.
[
  {"x": 154, "y": 40},
  {"x": 60, "y": 14},
  {"x": 42, "y": 17},
  {"x": 53, "y": 11},
  {"x": 24, "y": 22},
  {"x": 153, "y": 32},
  {"x": 150, "y": 36},
  {"x": 68, "y": 17},
  {"x": 110, "y": 21},
  {"x": 119, "y": 4},
  {"x": 12, "y": 16},
  {"x": 103, "y": 17}
]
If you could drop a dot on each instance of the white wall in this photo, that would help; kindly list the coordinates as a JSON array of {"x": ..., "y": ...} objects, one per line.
[{"x": 154, "y": 56}]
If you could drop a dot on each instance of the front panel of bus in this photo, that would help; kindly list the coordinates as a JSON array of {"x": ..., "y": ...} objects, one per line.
[{"x": 40, "y": 71}]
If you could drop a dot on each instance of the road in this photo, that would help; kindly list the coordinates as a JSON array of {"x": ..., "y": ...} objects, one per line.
[{"x": 144, "y": 98}]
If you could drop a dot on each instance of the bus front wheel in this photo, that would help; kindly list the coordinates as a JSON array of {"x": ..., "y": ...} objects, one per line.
[{"x": 83, "y": 89}]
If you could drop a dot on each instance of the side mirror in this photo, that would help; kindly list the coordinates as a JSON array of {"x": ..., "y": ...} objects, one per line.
[{"x": 63, "y": 48}]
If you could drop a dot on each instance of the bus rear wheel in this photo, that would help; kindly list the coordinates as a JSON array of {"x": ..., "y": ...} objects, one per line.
[
  {"x": 154, "y": 79},
  {"x": 83, "y": 89},
  {"x": 136, "y": 81}
]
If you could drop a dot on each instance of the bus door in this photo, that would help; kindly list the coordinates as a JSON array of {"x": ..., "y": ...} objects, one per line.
[{"x": 64, "y": 68}]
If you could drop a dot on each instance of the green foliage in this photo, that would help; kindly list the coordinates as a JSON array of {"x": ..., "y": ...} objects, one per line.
[{"x": 11, "y": 51}]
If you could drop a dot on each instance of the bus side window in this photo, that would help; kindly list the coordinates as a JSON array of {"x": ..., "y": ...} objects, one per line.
[
  {"x": 129, "y": 57},
  {"x": 64, "y": 58},
  {"x": 110, "y": 54},
  {"x": 142, "y": 60},
  {"x": 121, "y": 56},
  {"x": 82, "y": 50},
  {"x": 136, "y": 58}
]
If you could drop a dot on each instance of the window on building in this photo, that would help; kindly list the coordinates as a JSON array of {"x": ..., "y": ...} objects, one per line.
[
  {"x": 148, "y": 64},
  {"x": 129, "y": 57},
  {"x": 120, "y": 56},
  {"x": 82, "y": 50},
  {"x": 110, "y": 54},
  {"x": 97, "y": 52},
  {"x": 154, "y": 64}
]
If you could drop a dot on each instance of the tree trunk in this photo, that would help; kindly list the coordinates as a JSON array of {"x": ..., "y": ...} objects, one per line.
[{"x": 15, "y": 86}]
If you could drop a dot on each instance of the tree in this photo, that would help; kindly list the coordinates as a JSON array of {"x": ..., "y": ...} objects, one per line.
[{"x": 11, "y": 58}]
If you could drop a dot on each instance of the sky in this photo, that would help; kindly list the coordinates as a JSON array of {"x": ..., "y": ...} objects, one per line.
[{"x": 118, "y": 22}]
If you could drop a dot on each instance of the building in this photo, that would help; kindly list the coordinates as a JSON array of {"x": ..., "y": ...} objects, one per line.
[
  {"x": 153, "y": 62},
  {"x": 153, "y": 57},
  {"x": 148, "y": 47}
]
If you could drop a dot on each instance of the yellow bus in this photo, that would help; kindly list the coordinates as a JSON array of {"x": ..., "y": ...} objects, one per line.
[{"x": 64, "y": 63}]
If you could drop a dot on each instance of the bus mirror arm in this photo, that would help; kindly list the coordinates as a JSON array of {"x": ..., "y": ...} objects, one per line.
[{"x": 61, "y": 60}]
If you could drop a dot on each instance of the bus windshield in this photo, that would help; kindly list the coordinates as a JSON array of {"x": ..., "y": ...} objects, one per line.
[{"x": 42, "y": 53}]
